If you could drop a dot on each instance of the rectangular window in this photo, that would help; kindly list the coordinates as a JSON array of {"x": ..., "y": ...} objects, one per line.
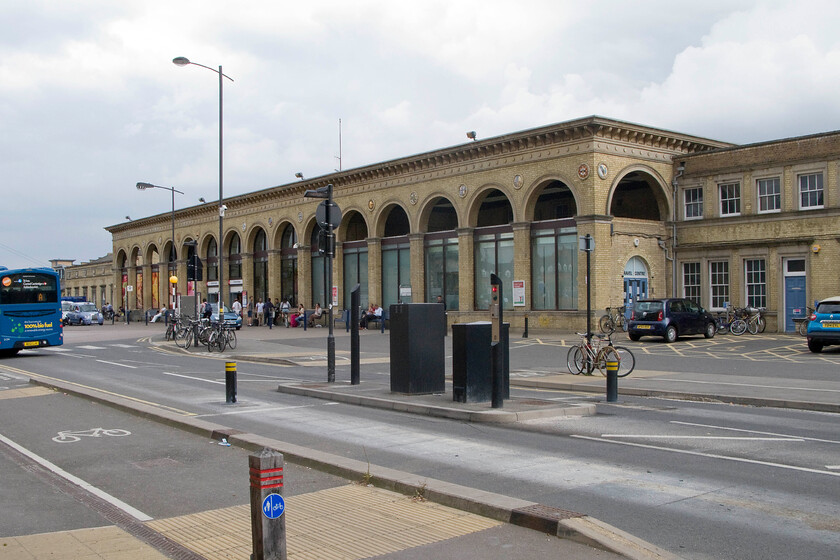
[
  {"x": 719, "y": 283},
  {"x": 756, "y": 281},
  {"x": 691, "y": 281},
  {"x": 769, "y": 195},
  {"x": 693, "y": 203},
  {"x": 730, "y": 199},
  {"x": 811, "y": 191}
]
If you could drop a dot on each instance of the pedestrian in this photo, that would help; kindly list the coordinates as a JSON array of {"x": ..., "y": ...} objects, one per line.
[
  {"x": 269, "y": 311},
  {"x": 315, "y": 315},
  {"x": 259, "y": 316},
  {"x": 285, "y": 308},
  {"x": 237, "y": 307},
  {"x": 250, "y": 312},
  {"x": 206, "y": 310}
]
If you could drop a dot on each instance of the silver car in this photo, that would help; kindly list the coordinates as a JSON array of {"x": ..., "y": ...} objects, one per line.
[{"x": 84, "y": 313}]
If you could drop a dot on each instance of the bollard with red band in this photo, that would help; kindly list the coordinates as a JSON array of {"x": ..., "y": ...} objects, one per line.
[{"x": 268, "y": 522}]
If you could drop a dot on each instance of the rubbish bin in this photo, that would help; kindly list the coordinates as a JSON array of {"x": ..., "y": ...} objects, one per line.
[
  {"x": 471, "y": 373},
  {"x": 418, "y": 364}
]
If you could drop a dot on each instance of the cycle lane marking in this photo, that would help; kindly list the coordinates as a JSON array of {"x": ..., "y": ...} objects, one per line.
[
  {"x": 698, "y": 425},
  {"x": 58, "y": 471}
]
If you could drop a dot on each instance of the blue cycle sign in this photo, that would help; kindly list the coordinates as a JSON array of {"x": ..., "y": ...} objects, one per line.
[{"x": 273, "y": 506}]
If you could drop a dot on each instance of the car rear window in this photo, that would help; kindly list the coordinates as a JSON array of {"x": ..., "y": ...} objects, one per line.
[
  {"x": 828, "y": 307},
  {"x": 647, "y": 310}
]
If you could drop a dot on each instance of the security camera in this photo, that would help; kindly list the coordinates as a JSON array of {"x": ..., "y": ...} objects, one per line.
[{"x": 222, "y": 209}]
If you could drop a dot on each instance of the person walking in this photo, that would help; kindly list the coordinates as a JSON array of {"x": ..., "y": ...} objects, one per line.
[{"x": 269, "y": 313}]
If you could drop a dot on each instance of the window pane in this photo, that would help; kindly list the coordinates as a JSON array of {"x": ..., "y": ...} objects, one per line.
[
  {"x": 691, "y": 281},
  {"x": 756, "y": 280},
  {"x": 543, "y": 277},
  {"x": 719, "y": 282}
]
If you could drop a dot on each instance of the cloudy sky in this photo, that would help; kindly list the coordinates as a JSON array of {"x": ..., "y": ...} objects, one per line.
[{"x": 91, "y": 103}]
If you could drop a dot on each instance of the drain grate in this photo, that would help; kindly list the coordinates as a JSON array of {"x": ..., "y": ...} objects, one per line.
[{"x": 541, "y": 518}]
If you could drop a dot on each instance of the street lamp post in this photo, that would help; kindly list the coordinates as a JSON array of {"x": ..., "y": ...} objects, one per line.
[
  {"x": 143, "y": 187},
  {"x": 184, "y": 61}
]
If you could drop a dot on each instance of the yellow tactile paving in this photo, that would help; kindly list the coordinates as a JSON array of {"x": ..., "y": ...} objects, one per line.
[
  {"x": 102, "y": 543},
  {"x": 25, "y": 392},
  {"x": 344, "y": 523}
]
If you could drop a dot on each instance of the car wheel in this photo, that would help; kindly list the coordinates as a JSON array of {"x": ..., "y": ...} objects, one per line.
[
  {"x": 711, "y": 329},
  {"x": 671, "y": 334},
  {"x": 815, "y": 346},
  {"x": 634, "y": 337}
]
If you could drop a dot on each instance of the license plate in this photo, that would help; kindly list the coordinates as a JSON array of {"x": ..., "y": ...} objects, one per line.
[
  {"x": 831, "y": 325},
  {"x": 642, "y": 326},
  {"x": 32, "y": 343}
]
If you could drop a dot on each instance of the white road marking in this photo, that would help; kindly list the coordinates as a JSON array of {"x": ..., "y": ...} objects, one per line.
[
  {"x": 116, "y": 364},
  {"x": 753, "y": 431},
  {"x": 833, "y": 467},
  {"x": 743, "y": 385},
  {"x": 194, "y": 378},
  {"x": 56, "y": 349},
  {"x": 136, "y": 513},
  {"x": 88, "y": 347},
  {"x": 124, "y": 345},
  {"x": 709, "y": 455},
  {"x": 662, "y": 436},
  {"x": 254, "y": 410}
]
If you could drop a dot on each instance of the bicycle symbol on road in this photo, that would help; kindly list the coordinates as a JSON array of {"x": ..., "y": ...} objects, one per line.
[{"x": 74, "y": 436}]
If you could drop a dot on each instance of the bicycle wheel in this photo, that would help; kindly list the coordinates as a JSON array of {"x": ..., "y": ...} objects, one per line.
[
  {"x": 170, "y": 334},
  {"x": 606, "y": 354},
  {"x": 622, "y": 323},
  {"x": 626, "y": 361},
  {"x": 738, "y": 327},
  {"x": 762, "y": 324},
  {"x": 606, "y": 324},
  {"x": 181, "y": 335},
  {"x": 211, "y": 341},
  {"x": 231, "y": 339},
  {"x": 186, "y": 341},
  {"x": 802, "y": 327},
  {"x": 574, "y": 360},
  {"x": 752, "y": 326}
]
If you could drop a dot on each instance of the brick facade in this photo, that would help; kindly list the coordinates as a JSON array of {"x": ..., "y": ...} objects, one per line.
[{"x": 617, "y": 179}]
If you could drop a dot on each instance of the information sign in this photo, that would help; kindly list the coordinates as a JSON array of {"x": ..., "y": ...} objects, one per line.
[{"x": 273, "y": 506}]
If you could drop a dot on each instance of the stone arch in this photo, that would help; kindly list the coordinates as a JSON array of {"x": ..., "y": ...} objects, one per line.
[
  {"x": 438, "y": 213},
  {"x": 392, "y": 221},
  {"x": 551, "y": 198},
  {"x": 250, "y": 237},
  {"x": 204, "y": 243},
  {"x": 121, "y": 259},
  {"x": 640, "y": 193},
  {"x": 135, "y": 258},
  {"x": 354, "y": 226},
  {"x": 491, "y": 205},
  {"x": 284, "y": 230},
  {"x": 151, "y": 254}
]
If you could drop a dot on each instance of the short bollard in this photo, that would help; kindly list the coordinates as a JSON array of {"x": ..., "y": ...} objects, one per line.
[
  {"x": 525, "y": 334},
  {"x": 230, "y": 382},
  {"x": 268, "y": 524},
  {"x": 612, "y": 381}
]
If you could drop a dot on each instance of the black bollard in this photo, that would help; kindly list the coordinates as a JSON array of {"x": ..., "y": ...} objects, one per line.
[
  {"x": 230, "y": 382},
  {"x": 268, "y": 522},
  {"x": 612, "y": 381},
  {"x": 525, "y": 334},
  {"x": 353, "y": 321}
]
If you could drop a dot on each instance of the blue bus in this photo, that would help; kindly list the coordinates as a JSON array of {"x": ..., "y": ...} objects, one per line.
[{"x": 30, "y": 309}]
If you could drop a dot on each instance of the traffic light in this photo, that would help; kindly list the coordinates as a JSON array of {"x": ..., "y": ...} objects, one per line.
[
  {"x": 195, "y": 269},
  {"x": 326, "y": 243}
]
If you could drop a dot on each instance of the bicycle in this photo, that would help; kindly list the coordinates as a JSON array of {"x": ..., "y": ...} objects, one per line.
[
  {"x": 802, "y": 322},
  {"x": 613, "y": 319},
  {"x": 589, "y": 354},
  {"x": 755, "y": 320}
]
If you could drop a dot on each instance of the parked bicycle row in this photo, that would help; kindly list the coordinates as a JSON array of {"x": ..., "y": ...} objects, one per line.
[{"x": 216, "y": 336}]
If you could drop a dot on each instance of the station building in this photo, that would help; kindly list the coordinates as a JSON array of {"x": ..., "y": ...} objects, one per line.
[{"x": 670, "y": 215}]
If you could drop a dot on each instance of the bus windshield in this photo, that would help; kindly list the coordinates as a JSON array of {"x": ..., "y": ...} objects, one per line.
[{"x": 28, "y": 288}]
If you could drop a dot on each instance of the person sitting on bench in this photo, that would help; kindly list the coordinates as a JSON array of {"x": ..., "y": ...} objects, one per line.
[{"x": 316, "y": 315}]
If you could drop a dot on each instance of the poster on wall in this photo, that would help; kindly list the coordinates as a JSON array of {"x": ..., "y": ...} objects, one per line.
[{"x": 519, "y": 293}]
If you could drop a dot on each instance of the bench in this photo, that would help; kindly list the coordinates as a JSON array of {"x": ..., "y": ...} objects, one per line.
[{"x": 322, "y": 320}]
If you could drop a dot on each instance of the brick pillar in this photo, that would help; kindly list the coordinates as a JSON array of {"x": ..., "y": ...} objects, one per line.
[
  {"x": 374, "y": 245},
  {"x": 466, "y": 269},
  {"x": 418, "y": 267}
]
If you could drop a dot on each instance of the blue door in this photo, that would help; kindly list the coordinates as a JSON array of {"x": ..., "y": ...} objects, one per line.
[
  {"x": 794, "y": 300},
  {"x": 634, "y": 290}
]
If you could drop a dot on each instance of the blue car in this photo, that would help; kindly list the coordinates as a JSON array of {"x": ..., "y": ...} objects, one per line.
[
  {"x": 669, "y": 318},
  {"x": 824, "y": 328},
  {"x": 231, "y": 318}
]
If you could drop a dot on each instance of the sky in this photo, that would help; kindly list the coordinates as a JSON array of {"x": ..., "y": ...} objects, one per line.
[{"x": 91, "y": 103}]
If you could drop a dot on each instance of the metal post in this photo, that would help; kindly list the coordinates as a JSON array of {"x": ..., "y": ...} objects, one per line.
[
  {"x": 268, "y": 524},
  {"x": 355, "y": 302},
  {"x": 230, "y": 382},
  {"x": 588, "y": 290},
  {"x": 221, "y": 244},
  {"x": 496, "y": 355},
  {"x": 525, "y": 334},
  {"x": 329, "y": 255}
]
